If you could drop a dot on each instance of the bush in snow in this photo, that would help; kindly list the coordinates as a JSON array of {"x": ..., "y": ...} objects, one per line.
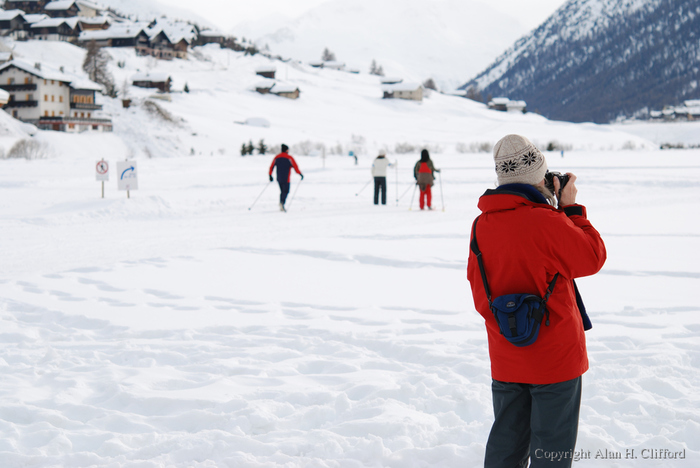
[
  {"x": 474, "y": 147},
  {"x": 157, "y": 111},
  {"x": 430, "y": 84},
  {"x": 28, "y": 149}
]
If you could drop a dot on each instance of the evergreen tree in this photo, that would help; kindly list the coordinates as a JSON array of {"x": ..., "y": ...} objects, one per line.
[
  {"x": 328, "y": 56},
  {"x": 186, "y": 88},
  {"x": 95, "y": 65},
  {"x": 244, "y": 149},
  {"x": 375, "y": 69},
  {"x": 262, "y": 148},
  {"x": 250, "y": 148}
]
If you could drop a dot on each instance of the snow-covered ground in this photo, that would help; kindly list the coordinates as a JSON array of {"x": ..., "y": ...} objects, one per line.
[{"x": 178, "y": 328}]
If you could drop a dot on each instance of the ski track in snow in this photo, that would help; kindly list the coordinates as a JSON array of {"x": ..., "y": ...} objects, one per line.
[{"x": 336, "y": 335}]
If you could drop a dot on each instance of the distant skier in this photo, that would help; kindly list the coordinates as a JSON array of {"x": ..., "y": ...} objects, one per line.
[
  {"x": 379, "y": 173},
  {"x": 424, "y": 173},
  {"x": 284, "y": 163}
]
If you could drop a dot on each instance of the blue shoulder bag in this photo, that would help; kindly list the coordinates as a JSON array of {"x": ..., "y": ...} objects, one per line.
[{"x": 519, "y": 316}]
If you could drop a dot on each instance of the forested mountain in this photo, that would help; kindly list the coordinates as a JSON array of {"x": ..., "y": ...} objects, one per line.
[{"x": 596, "y": 60}]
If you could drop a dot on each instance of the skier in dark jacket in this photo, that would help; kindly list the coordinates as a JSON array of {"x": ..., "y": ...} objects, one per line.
[
  {"x": 424, "y": 173},
  {"x": 284, "y": 163}
]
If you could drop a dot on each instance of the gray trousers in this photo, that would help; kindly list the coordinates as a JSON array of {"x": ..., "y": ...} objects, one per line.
[{"x": 535, "y": 422}]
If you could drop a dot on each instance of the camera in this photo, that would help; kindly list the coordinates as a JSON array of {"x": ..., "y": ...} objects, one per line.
[{"x": 549, "y": 181}]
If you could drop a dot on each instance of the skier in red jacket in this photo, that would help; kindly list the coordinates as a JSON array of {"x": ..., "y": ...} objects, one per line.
[
  {"x": 284, "y": 163},
  {"x": 525, "y": 241}
]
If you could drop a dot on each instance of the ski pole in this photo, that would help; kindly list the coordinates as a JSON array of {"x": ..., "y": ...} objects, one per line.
[
  {"x": 263, "y": 191},
  {"x": 368, "y": 182},
  {"x": 441, "y": 197},
  {"x": 406, "y": 191},
  {"x": 294, "y": 194},
  {"x": 396, "y": 165},
  {"x": 410, "y": 207}
]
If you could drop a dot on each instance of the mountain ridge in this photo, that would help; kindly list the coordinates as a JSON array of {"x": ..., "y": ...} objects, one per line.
[{"x": 597, "y": 60}]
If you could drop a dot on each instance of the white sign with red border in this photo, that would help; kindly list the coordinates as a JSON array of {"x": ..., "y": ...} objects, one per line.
[{"x": 102, "y": 170}]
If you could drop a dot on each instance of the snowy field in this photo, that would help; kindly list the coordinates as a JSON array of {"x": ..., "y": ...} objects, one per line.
[{"x": 177, "y": 328}]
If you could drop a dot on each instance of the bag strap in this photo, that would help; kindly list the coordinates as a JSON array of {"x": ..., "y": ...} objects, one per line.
[{"x": 474, "y": 246}]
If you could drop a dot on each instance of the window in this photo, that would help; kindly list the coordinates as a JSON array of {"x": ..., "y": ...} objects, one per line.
[
  {"x": 88, "y": 115},
  {"x": 10, "y": 81},
  {"x": 52, "y": 96},
  {"x": 82, "y": 115},
  {"x": 27, "y": 80},
  {"x": 71, "y": 125},
  {"x": 52, "y": 82},
  {"x": 53, "y": 113},
  {"x": 46, "y": 97},
  {"x": 60, "y": 98},
  {"x": 46, "y": 113}
]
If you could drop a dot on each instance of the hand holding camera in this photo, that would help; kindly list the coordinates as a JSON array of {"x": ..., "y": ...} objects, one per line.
[{"x": 562, "y": 186}]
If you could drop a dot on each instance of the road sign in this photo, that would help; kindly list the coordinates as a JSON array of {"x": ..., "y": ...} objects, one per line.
[
  {"x": 127, "y": 175},
  {"x": 102, "y": 170}
]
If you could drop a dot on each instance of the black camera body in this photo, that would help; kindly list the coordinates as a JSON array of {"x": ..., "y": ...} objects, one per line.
[{"x": 549, "y": 180}]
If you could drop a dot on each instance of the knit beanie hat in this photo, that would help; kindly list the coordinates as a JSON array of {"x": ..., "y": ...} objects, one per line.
[
  {"x": 284, "y": 148},
  {"x": 518, "y": 161},
  {"x": 424, "y": 155}
]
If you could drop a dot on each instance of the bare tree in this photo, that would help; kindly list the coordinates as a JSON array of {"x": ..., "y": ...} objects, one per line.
[
  {"x": 95, "y": 65},
  {"x": 328, "y": 56}
]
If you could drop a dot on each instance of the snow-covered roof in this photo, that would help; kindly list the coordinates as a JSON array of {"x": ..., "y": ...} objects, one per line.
[
  {"x": 402, "y": 87},
  {"x": 265, "y": 68},
  {"x": 391, "y": 80},
  {"x": 59, "y": 5},
  {"x": 116, "y": 31},
  {"x": 333, "y": 64},
  {"x": 7, "y": 15},
  {"x": 502, "y": 101},
  {"x": 5, "y": 56},
  {"x": 175, "y": 31},
  {"x": 4, "y": 96},
  {"x": 35, "y": 18},
  {"x": 155, "y": 77},
  {"x": 55, "y": 22},
  {"x": 284, "y": 88},
  {"x": 48, "y": 73},
  {"x": 265, "y": 84},
  {"x": 211, "y": 33}
]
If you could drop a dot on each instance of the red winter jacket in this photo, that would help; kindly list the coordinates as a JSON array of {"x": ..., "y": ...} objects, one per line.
[{"x": 524, "y": 244}]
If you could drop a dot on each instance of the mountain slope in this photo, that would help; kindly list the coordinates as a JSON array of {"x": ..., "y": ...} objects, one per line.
[
  {"x": 448, "y": 40},
  {"x": 594, "y": 60}
]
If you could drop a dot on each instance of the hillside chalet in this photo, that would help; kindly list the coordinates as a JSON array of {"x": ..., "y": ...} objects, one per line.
[
  {"x": 51, "y": 100},
  {"x": 160, "y": 81},
  {"x": 504, "y": 104},
  {"x": 410, "y": 91},
  {"x": 56, "y": 29},
  {"x": 27, "y": 6},
  {"x": 72, "y": 8},
  {"x": 267, "y": 71}
]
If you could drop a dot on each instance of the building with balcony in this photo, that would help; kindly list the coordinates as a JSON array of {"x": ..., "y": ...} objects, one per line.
[{"x": 50, "y": 99}]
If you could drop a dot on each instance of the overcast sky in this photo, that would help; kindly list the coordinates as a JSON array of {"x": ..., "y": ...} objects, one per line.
[{"x": 228, "y": 13}]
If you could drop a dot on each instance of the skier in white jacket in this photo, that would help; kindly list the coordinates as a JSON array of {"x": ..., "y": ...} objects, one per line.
[{"x": 379, "y": 167}]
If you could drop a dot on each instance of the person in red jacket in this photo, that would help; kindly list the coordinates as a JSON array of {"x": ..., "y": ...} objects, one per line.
[
  {"x": 284, "y": 163},
  {"x": 525, "y": 241}
]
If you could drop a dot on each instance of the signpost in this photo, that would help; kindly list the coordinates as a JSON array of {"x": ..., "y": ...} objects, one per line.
[
  {"x": 102, "y": 173},
  {"x": 127, "y": 174}
]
